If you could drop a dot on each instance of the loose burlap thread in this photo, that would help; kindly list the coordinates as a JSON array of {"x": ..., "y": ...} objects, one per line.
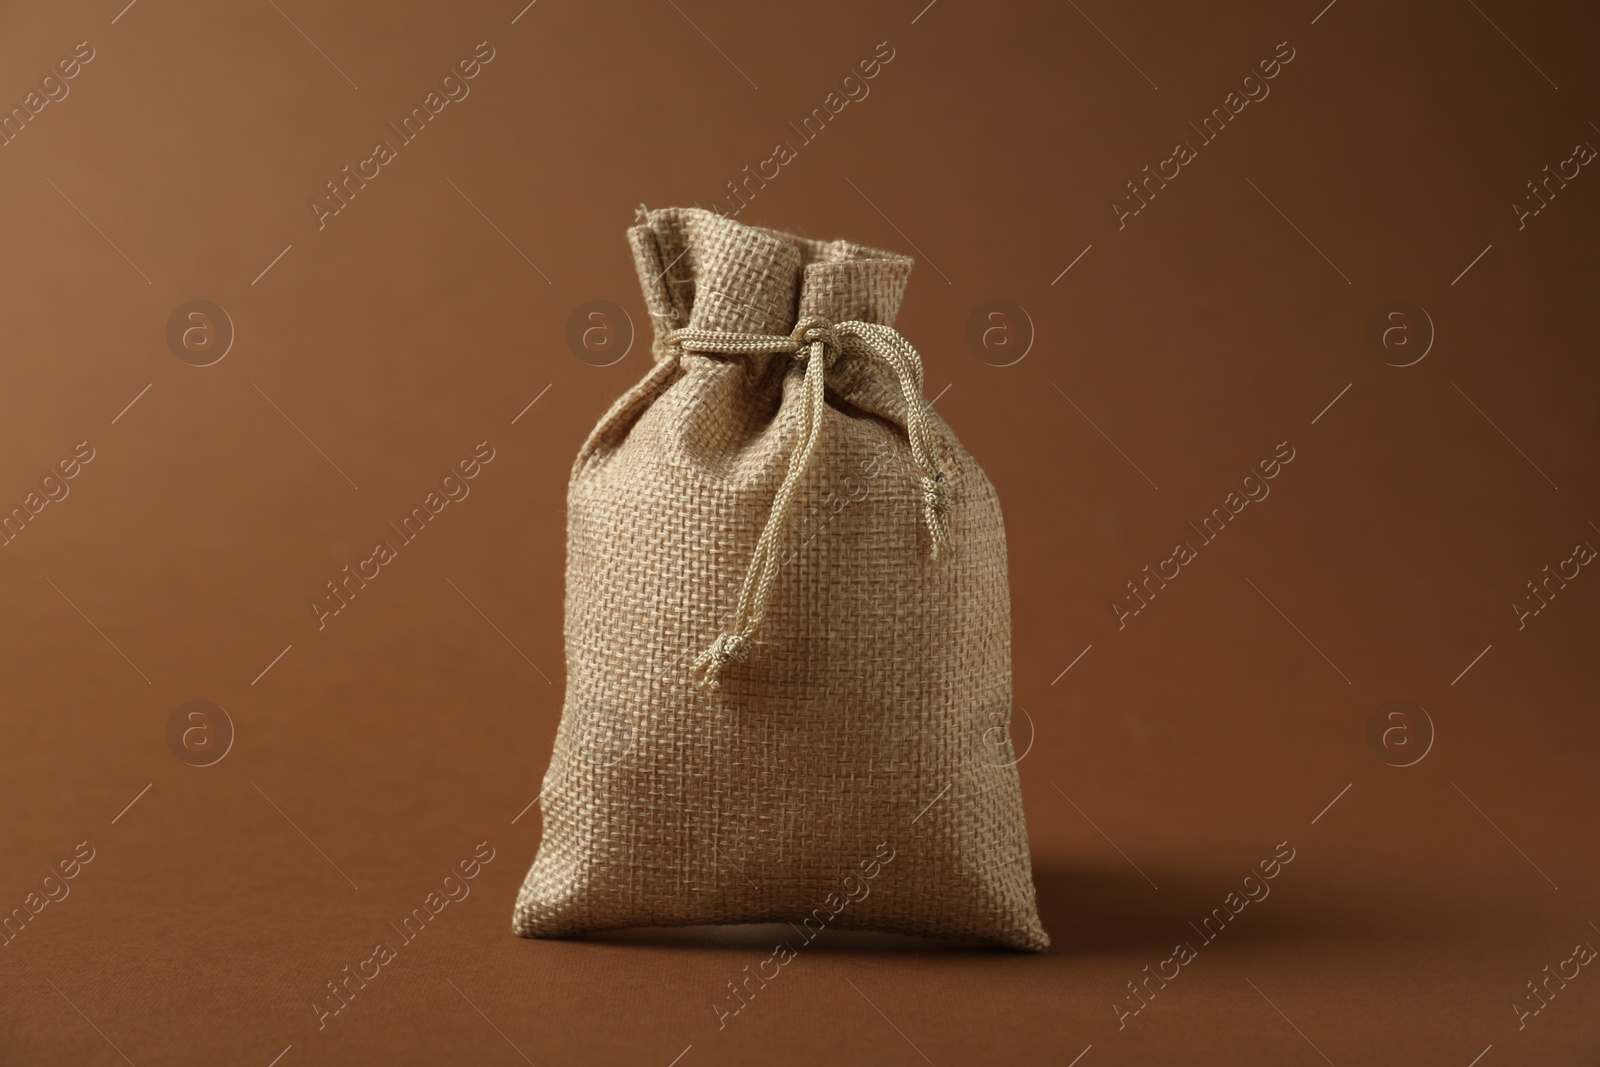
[{"x": 717, "y": 764}]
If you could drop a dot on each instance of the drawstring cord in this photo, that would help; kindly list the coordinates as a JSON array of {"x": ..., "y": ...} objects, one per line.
[{"x": 810, "y": 341}]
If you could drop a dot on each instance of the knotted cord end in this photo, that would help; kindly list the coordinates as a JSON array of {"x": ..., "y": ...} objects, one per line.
[
  {"x": 726, "y": 649},
  {"x": 936, "y": 509}
]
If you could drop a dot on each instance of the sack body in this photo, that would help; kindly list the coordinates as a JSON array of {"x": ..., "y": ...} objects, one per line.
[{"x": 844, "y": 761}]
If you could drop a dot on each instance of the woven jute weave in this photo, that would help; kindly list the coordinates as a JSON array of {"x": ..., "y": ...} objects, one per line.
[{"x": 739, "y": 751}]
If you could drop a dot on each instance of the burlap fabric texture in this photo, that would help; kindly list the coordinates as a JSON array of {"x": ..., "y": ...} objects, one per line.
[{"x": 788, "y": 640}]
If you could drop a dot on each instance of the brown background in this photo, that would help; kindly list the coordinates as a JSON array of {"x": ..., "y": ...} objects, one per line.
[{"x": 1222, "y": 320}]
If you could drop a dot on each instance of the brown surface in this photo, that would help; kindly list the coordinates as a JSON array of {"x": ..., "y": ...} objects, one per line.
[{"x": 1197, "y": 338}]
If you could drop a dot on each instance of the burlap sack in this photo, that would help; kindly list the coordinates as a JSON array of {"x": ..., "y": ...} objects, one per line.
[{"x": 787, "y": 621}]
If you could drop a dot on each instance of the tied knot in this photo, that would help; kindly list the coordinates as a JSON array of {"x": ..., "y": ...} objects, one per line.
[
  {"x": 811, "y": 331},
  {"x": 730, "y": 648},
  {"x": 726, "y": 649}
]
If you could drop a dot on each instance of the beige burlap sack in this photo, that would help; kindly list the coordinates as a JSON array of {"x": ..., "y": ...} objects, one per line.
[{"x": 787, "y": 621}]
